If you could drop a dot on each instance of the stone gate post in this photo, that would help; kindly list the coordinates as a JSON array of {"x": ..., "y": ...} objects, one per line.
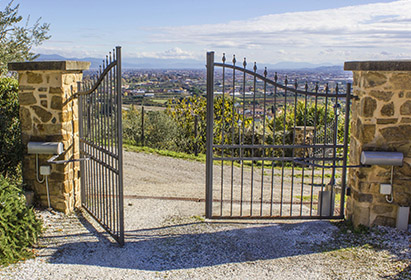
[
  {"x": 48, "y": 114},
  {"x": 381, "y": 121}
]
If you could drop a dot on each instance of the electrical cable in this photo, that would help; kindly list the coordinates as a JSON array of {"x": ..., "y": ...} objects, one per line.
[
  {"x": 391, "y": 199},
  {"x": 37, "y": 170},
  {"x": 48, "y": 194}
]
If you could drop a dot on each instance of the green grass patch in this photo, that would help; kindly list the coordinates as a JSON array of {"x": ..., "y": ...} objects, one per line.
[
  {"x": 198, "y": 218},
  {"x": 348, "y": 227},
  {"x": 167, "y": 153},
  {"x": 307, "y": 198}
]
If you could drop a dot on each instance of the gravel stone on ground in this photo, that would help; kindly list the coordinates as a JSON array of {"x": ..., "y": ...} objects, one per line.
[{"x": 171, "y": 239}]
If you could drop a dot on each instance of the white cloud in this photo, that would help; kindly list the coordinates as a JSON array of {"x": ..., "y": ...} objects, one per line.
[
  {"x": 67, "y": 50},
  {"x": 364, "y": 30},
  {"x": 174, "y": 53}
]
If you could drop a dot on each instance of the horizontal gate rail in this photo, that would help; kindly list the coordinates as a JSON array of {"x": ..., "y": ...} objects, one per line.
[
  {"x": 274, "y": 150},
  {"x": 290, "y": 159},
  {"x": 245, "y": 146},
  {"x": 100, "y": 126}
]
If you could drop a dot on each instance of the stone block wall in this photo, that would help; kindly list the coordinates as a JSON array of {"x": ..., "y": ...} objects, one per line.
[
  {"x": 381, "y": 121},
  {"x": 49, "y": 114}
]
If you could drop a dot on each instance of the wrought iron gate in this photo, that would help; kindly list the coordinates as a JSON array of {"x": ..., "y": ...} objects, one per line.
[
  {"x": 274, "y": 150},
  {"x": 100, "y": 128}
]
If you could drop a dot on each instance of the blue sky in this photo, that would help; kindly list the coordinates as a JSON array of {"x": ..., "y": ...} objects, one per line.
[{"x": 270, "y": 31}]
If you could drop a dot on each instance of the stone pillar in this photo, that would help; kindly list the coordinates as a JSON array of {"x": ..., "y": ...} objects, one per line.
[
  {"x": 48, "y": 114},
  {"x": 381, "y": 121}
]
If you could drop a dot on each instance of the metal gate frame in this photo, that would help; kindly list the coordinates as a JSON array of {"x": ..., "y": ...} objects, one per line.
[
  {"x": 217, "y": 152},
  {"x": 100, "y": 129}
]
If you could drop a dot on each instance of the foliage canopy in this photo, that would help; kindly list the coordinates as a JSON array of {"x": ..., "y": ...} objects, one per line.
[
  {"x": 177, "y": 125},
  {"x": 10, "y": 134},
  {"x": 17, "y": 38}
]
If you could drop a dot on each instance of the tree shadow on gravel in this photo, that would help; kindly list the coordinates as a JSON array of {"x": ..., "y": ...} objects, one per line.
[{"x": 198, "y": 244}]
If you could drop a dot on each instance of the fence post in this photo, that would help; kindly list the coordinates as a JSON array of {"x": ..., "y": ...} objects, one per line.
[
  {"x": 195, "y": 135},
  {"x": 210, "y": 136},
  {"x": 142, "y": 125}
]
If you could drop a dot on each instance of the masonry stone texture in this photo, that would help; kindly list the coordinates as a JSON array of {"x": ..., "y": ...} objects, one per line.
[
  {"x": 380, "y": 122},
  {"x": 49, "y": 114}
]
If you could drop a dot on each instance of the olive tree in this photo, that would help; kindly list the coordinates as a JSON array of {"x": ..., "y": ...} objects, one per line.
[
  {"x": 18, "y": 38},
  {"x": 16, "y": 42}
]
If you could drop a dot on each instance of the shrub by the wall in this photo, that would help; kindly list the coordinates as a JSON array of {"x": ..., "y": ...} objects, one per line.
[
  {"x": 10, "y": 134},
  {"x": 19, "y": 228}
]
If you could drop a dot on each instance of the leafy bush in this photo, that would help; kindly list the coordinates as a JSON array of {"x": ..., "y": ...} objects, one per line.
[
  {"x": 226, "y": 119},
  {"x": 19, "y": 227},
  {"x": 183, "y": 115},
  {"x": 174, "y": 128},
  {"x": 10, "y": 134},
  {"x": 132, "y": 125},
  {"x": 160, "y": 131}
]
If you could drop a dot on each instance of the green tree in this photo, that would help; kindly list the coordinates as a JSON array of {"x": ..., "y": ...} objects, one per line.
[{"x": 17, "y": 38}]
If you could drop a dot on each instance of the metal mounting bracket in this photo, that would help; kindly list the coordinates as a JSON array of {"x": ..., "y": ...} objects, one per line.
[{"x": 53, "y": 160}]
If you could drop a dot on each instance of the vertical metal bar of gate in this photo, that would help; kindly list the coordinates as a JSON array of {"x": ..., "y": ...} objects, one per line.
[
  {"x": 120, "y": 145},
  {"x": 209, "y": 133},
  {"x": 81, "y": 135},
  {"x": 100, "y": 113}
]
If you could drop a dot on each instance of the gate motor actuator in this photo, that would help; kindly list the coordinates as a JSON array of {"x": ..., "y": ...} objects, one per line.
[
  {"x": 384, "y": 158},
  {"x": 49, "y": 148}
]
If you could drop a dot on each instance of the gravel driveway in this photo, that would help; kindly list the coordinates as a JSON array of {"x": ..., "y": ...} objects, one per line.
[{"x": 168, "y": 238}]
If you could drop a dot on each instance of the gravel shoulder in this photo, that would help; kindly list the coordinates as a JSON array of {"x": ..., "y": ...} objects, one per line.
[{"x": 171, "y": 239}]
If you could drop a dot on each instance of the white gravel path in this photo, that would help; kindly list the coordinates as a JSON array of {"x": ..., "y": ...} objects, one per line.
[{"x": 170, "y": 239}]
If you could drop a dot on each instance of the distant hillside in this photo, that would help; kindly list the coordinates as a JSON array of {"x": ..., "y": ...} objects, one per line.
[
  {"x": 139, "y": 63},
  {"x": 157, "y": 63}
]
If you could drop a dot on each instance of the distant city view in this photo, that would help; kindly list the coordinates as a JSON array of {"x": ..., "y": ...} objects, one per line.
[{"x": 156, "y": 87}]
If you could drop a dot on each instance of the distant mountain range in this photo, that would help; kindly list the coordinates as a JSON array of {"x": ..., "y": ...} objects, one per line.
[
  {"x": 157, "y": 63},
  {"x": 138, "y": 63}
]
